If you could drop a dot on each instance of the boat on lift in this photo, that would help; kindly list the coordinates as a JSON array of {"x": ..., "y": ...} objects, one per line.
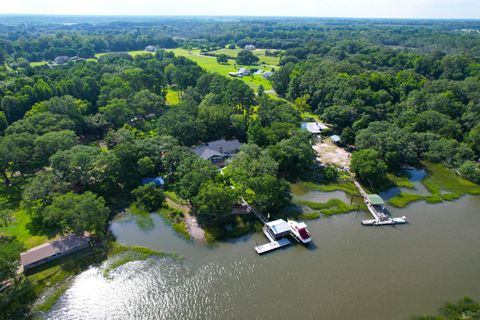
[
  {"x": 299, "y": 231},
  {"x": 400, "y": 220}
]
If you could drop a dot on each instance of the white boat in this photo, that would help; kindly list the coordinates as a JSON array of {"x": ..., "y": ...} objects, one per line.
[
  {"x": 299, "y": 231},
  {"x": 370, "y": 222},
  {"x": 386, "y": 222},
  {"x": 400, "y": 220}
]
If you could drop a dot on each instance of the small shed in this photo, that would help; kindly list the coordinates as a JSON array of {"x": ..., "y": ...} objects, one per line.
[
  {"x": 158, "y": 181},
  {"x": 375, "y": 199},
  {"x": 335, "y": 138}
]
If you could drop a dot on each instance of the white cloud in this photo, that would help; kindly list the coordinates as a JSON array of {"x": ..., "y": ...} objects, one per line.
[{"x": 320, "y": 8}]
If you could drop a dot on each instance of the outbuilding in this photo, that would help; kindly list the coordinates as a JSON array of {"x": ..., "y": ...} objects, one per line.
[{"x": 53, "y": 250}]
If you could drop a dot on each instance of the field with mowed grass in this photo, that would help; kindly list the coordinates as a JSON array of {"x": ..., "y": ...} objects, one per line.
[
  {"x": 232, "y": 53},
  {"x": 210, "y": 64}
]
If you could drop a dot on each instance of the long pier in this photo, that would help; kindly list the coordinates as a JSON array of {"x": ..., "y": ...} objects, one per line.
[{"x": 380, "y": 217}]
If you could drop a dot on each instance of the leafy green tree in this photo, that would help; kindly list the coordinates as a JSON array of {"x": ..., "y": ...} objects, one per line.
[
  {"x": 471, "y": 171},
  {"x": 294, "y": 154},
  {"x": 246, "y": 57},
  {"x": 77, "y": 213},
  {"x": 214, "y": 201},
  {"x": 16, "y": 299},
  {"x": 145, "y": 102},
  {"x": 41, "y": 189},
  {"x": 84, "y": 166},
  {"x": 10, "y": 250},
  {"x": 16, "y": 153},
  {"x": 368, "y": 166},
  {"x": 269, "y": 193},
  {"x": 192, "y": 173},
  {"x": 41, "y": 123},
  {"x": 474, "y": 138},
  {"x": 222, "y": 59},
  {"x": 117, "y": 112},
  {"x": 3, "y": 122},
  {"x": 149, "y": 197},
  {"x": 51, "y": 142}
]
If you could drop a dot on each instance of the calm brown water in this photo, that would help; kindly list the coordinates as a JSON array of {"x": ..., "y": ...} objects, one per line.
[{"x": 352, "y": 272}]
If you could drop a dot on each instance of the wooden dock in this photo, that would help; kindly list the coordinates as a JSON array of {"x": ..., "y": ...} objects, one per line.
[{"x": 272, "y": 245}]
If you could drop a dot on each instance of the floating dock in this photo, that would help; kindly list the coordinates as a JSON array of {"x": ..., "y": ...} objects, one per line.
[{"x": 272, "y": 245}]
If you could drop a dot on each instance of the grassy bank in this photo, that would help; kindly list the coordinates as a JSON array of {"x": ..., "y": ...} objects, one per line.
[
  {"x": 120, "y": 255},
  {"x": 329, "y": 208},
  {"x": 442, "y": 183},
  {"x": 302, "y": 187}
]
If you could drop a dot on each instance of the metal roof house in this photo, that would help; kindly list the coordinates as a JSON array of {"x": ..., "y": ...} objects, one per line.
[
  {"x": 158, "y": 181},
  {"x": 267, "y": 74},
  {"x": 375, "y": 199},
  {"x": 240, "y": 73},
  {"x": 217, "y": 150},
  {"x": 53, "y": 250},
  {"x": 150, "y": 48},
  {"x": 250, "y": 47},
  {"x": 314, "y": 127}
]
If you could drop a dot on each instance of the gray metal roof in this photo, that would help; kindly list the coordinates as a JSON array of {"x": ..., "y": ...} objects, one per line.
[
  {"x": 217, "y": 148},
  {"x": 50, "y": 249}
]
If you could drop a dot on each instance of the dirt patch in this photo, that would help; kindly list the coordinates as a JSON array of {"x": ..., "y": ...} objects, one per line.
[
  {"x": 330, "y": 154},
  {"x": 195, "y": 231}
]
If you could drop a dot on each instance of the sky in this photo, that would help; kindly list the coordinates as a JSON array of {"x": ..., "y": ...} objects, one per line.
[{"x": 453, "y": 9}]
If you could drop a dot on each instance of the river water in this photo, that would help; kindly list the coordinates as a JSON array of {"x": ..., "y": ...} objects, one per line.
[{"x": 351, "y": 272}]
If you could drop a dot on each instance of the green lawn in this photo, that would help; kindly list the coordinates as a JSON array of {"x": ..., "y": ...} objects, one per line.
[
  {"x": 232, "y": 53},
  {"x": 210, "y": 64},
  {"x": 20, "y": 228},
  {"x": 38, "y": 63},
  {"x": 172, "y": 97},
  {"x": 10, "y": 198}
]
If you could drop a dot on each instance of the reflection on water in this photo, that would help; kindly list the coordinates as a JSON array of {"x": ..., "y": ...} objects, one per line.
[
  {"x": 353, "y": 272},
  {"x": 415, "y": 176}
]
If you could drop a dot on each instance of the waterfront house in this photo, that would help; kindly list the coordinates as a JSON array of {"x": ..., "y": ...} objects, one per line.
[{"x": 53, "y": 250}]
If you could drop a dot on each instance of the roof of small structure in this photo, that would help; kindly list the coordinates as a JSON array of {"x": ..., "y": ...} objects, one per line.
[
  {"x": 278, "y": 226},
  {"x": 375, "y": 199},
  {"x": 50, "y": 249},
  {"x": 158, "y": 181},
  {"x": 314, "y": 127},
  {"x": 335, "y": 138},
  {"x": 216, "y": 148}
]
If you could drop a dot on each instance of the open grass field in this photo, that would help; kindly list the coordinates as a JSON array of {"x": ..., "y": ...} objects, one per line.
[
  {"x": 210, "y": 64},
  {"x": 232, "y": 53}
]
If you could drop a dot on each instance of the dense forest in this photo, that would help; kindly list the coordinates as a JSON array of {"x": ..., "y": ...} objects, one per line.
[{"x": 77, "y": 139}]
